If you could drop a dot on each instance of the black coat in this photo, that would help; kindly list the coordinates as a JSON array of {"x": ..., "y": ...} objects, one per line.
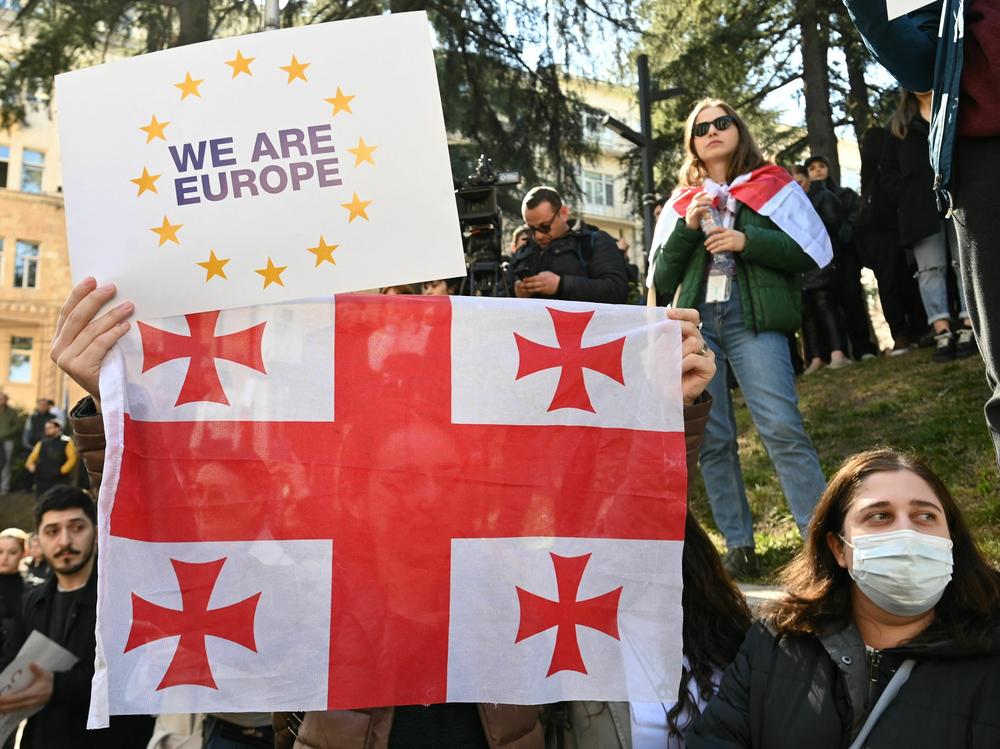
[
  {"x": 63, "y": 721},
  {"x": 909, "y": 181},
  {"x": 831, "y": 213},
  {"x": 816, "y": 692},
  {"x": 587, "y": 260},
  {"x": 877, "y": 208}
]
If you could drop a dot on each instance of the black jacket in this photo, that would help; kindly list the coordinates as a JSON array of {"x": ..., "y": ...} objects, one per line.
[
  {"x": 63, "y": 721},
  {"x": 816, "y": 692},
  {"x": 877, "y": 208},
  {"x": 909, "y": 180},
  {"x": 831, "y": 213},
  {"x": 587, "y": 260}
]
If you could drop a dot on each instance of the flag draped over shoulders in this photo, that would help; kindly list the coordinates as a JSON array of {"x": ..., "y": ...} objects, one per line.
[{"x": 769, "y": 191}]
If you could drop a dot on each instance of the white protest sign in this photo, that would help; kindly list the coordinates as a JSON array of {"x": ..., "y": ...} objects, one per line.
[
  {"x": 17, "y": 676},
  {"x": 261, "y": 168},
  {"x": 897, "y": 8}
]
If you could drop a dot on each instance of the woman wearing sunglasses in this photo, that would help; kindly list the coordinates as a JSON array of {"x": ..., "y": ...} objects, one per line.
[
  {"x": 888, "y": 636},
  {"x": 732, "y": 242}
]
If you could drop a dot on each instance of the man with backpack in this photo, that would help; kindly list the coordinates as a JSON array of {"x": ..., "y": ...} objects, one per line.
[{"x": 566, "y": 259}]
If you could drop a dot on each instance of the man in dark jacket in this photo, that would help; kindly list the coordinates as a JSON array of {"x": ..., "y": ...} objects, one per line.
[
  {"x": 53, "y": 459},
  {"x": 566, "y": 259},
  {"x": 34, "y": 427},
  {"x": 845, "y": 257},
  {"x": 879, "y": 248},
  {"x": 65, "y": 610}
]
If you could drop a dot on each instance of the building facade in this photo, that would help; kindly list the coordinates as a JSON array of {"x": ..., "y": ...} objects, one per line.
[
  {"x": 603, "y": 178},
  {"x": 34, "y": 264}
]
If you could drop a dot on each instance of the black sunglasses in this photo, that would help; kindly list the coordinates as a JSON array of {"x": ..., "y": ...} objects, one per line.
[
  {"x": 700, "y": 129},
  {"x": 546, "y": 227}
]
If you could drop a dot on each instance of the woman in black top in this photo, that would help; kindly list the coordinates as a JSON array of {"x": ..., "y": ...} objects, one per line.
[
  {"x": 908, "y": 178},
  {"x": 889, "y": 573}
]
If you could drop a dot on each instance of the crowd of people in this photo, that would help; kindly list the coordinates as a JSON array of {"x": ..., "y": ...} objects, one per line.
[
  {"x": 39, "y": 438},
  {"x": 887, "y": 631}
]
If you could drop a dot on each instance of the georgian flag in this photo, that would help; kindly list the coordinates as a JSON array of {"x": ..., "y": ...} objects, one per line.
[
  {"x": 769, "y": 191},
  {"x": 370, "y": 501}
]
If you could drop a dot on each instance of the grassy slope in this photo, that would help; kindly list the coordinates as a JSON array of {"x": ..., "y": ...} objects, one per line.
[{"x": 907, "y": 402}]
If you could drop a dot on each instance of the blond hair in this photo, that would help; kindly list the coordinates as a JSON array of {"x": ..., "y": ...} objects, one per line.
[{"x": 16, "y": 533}]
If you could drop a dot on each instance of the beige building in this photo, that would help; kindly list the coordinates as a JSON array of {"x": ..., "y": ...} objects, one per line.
[
  {"x": 603, "y": 179},
  {"x": 34, "y": 266}
]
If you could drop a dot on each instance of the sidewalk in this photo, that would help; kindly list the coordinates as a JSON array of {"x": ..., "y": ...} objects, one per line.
[{"x": 758, "y": 595}]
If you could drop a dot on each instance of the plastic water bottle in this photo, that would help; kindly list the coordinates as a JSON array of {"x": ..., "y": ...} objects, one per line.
[{"x": 722, "y": 262}]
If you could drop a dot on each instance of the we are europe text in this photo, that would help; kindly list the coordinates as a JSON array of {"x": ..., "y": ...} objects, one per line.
[{"x": 219, "y": 153}]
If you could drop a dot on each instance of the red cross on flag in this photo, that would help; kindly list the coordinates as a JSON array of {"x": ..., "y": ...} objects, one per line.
[{"x": 373, "y": 501}]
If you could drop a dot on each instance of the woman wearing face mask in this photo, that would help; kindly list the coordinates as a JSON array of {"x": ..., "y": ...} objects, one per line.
[
  {"x": 733, "y": 242},
  {"x": 888, "y": 636}
]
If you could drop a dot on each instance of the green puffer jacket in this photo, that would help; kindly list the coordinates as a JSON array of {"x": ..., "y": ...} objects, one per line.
[{"x": 767, "y": 272}]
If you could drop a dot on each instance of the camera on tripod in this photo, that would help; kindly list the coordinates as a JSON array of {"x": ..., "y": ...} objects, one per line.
[{"x": 482, "y": 235}]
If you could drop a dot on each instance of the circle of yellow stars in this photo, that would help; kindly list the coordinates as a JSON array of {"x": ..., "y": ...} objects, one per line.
[{"x": 214, "y": 266}]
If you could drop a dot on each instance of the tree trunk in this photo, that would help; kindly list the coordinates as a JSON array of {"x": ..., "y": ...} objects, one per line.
[
  {"x": 856, "y": 56},
  {"x": 194, "y": 21},
  {"x": 816, "y": 87}
]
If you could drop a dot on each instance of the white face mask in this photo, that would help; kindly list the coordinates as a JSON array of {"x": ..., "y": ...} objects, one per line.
[{"x": 902, "y": 572}]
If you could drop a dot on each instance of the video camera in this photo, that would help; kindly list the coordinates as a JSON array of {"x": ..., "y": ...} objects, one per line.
[{"x": 482, "y": 234}]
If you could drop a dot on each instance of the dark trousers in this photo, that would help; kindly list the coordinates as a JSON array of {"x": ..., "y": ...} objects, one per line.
[
  {"x": 851, "y": 297},
  {"x": 821, "y": 329},
  {"x": 897, "y": 288},
  {"x": 977, "y": 221}
]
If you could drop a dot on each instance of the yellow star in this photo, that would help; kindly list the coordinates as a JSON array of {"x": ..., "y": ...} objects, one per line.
[
  {"x": 240, "y": 64},
  {"x": 324, "y": 252},
  {"x": 189, "y": 86},
  {"x": 154, "y": 130},
  {"x": 167, "y": 232},
  {"x": 362, "y": 153},
  {"x": 357, "y": 207},
  {"x": 341, "y": 102},
  {"x": 146, "y": 182},
  {"x": 272, "y": 273},
  {"x": 214, "y": 265},
  {"x": 296, "y": 69}
]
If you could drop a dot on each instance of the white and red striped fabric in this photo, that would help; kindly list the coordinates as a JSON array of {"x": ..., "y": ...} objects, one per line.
[
  {"x": 769, "y": 191},
  {"x": 387, "y": 500}
]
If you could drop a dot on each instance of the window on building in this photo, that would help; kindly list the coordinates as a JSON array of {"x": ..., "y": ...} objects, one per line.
[
  {"x": 20, "y": 359},
  {"x": 599, "y": 189},
  {"x": 4, "y": 164},
  {"x": 592, "y": 124},
  {"x": 26, "y": 265},
  {"x": 32, "y": 164}
]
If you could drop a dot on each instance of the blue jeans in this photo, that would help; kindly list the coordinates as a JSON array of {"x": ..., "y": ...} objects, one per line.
[
  {"x": 763, "y": 369},
  {"x": 931, "y": 254}
]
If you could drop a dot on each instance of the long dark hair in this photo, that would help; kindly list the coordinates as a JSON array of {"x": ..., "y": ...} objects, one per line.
[
  {"x": 906, "y": 110},
  {"x": 747, "y": 157},
  {"x": 716, "y": 619},
  {"x": 819, "y": 589}
]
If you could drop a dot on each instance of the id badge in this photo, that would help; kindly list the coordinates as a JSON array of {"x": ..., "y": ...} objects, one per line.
[{"x": 718, "y": 288}]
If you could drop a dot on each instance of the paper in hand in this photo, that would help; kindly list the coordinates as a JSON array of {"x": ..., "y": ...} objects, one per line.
[{"x": 17, "y": 676}]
